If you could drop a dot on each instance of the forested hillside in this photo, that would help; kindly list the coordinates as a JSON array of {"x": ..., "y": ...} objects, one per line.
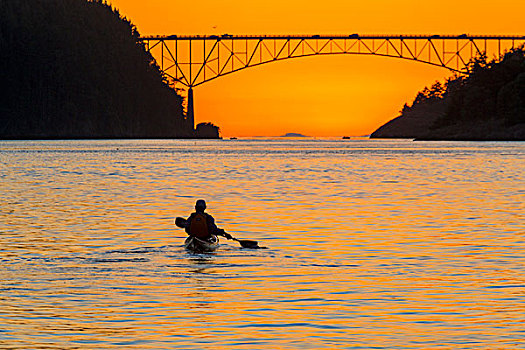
[
  {"x": 486, "y": 104},
  {"x": 75, "y": 69}
]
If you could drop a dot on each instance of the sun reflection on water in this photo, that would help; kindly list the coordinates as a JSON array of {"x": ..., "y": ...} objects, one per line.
[{"x": 387, "y": 244}]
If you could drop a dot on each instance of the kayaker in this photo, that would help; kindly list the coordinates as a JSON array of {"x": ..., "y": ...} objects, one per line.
[{"x": 202, "y": 225}]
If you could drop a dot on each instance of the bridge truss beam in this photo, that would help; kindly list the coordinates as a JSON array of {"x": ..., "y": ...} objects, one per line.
[{"x": 194, "y": 60}]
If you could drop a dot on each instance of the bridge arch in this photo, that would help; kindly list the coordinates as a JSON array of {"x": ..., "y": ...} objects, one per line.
[{"x": 195, "y": 60}]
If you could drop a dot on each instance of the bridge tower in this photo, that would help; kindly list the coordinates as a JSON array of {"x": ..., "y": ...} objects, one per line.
[{"x": 190, "y": 114}]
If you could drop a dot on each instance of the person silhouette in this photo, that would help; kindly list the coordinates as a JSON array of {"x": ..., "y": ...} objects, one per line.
[{"x": 202, "y": 225}]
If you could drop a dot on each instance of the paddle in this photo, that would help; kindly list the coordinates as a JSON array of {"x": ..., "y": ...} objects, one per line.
[
  {"x": 245, "y": 243},
  {"x": 181, "y": 222}
]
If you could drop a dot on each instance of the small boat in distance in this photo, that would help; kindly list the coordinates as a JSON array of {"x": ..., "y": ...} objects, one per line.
[
  {"x": 233, "y": 138},
  {"x": 346, "y": 137},
  {"x": 201, "y": 246}
]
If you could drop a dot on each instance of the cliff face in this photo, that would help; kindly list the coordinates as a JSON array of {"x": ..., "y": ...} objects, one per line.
[
  {"x": 75, "y": 69},
  {"x": 487, "y": 104}
]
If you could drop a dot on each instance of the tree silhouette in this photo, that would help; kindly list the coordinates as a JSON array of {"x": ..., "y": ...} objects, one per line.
[{"x": 76, "y": 69}]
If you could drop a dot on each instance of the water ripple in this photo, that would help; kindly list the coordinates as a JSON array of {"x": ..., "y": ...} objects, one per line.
[{"x": 372, "y": 244}]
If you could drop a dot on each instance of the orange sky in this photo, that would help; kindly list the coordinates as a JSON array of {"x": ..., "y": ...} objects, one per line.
[{"x": 318, "y": 96}]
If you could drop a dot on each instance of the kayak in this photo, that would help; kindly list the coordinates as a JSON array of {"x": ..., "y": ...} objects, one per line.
[{"x": 199, "y": 245}]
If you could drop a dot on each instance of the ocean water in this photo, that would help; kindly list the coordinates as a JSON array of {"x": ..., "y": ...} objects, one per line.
[{"x": 371, "y": 245}]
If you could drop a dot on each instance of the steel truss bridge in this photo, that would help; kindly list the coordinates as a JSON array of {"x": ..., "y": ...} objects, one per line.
[{"x": 195, "y": 60}]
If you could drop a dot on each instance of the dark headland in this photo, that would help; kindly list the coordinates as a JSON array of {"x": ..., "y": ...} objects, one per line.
[
  {"x": 488, "y": 104},
  {"x": 76, "y": 69}
]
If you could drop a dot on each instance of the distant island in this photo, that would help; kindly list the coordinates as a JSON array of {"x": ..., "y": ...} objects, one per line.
[
  {"x": 77, "y": 69},
  {"x": 487, "y": 104},
  {"x": 293, "y": 134}
]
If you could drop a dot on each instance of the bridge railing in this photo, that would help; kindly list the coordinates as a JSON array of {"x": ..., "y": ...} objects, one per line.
[{"x": 335, "y": 36}]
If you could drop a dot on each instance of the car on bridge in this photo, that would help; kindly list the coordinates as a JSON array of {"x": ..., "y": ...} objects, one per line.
[{"x": 355, "y": 35}]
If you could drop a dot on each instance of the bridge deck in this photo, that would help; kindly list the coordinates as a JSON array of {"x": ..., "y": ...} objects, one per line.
[{"x": 337, "y": 36}]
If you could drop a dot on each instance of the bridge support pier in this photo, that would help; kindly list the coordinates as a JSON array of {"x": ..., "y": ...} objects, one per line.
[{"x": 190, "y": 112}]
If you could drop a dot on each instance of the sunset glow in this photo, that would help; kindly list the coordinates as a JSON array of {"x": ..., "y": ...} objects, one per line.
[{"x": 317, "y": 96}]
